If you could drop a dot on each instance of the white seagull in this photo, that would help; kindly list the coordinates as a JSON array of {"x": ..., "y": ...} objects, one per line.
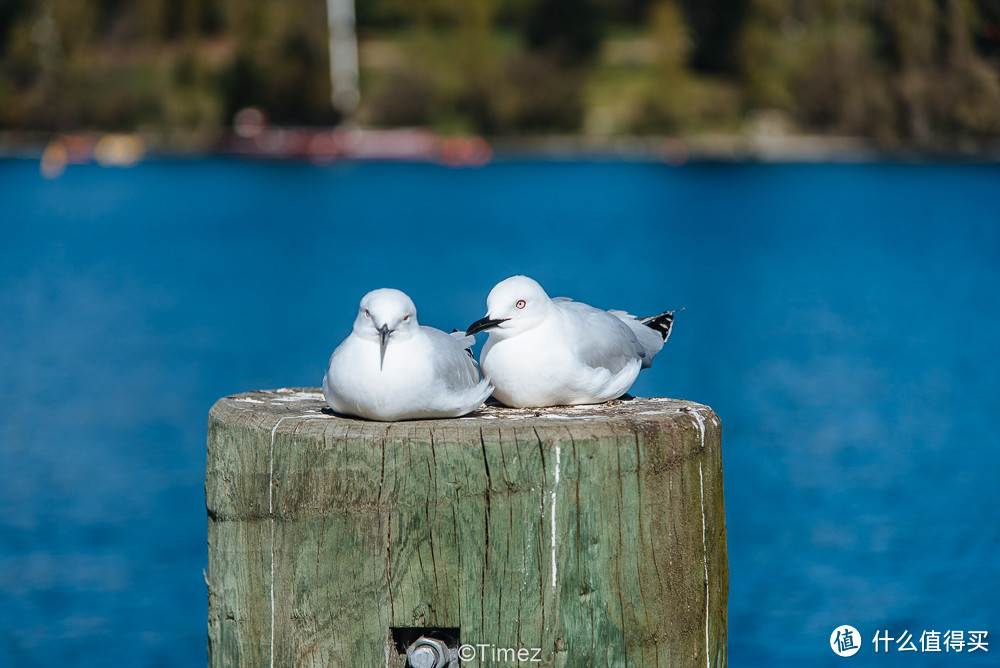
[
  {"x": 391, "y": 368},
  {"x": 553, "y": 352}
]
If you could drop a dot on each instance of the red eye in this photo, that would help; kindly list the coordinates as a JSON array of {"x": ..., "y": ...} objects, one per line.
[
  {"x": 367, "y": 314},
  {"x": 405, "y": 318},
  {"x": 520, "y": 303}
]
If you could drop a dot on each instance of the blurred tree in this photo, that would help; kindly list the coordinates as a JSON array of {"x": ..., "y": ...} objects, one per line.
[
  {"x": 379, "y": 13},
  {"x": 945, "y": 90},
  {"x": 899, "y": 70},
  {"x": 153, "y": 22},
  {"x": 968, "y": 102},
  {"x": 544, "y": 95},
  {"x": 570, "y": 30},
  {"x": 22, "y": 57},
  {"x": 838, "y": 84},
  {"x": 545, "y": 85},
  {"x": 12, "y": 12},
  {"x": 76, "y": 24},
  {"x": 625, "y": 11},
  {"x": 669, "y": 104},
  {"x": 477, "y": 99},
  {"x": 62, "y": 31},
  {"x": 911, "y": 28},
  {"x": 280, "y": 62},
  {"x": 765, "y": 50},
  {"x": 987, "y": 34},
  {"x": 240, "y": 84},
  {"x": 20, "y": 71},
  {"x": 405, "y": 95},
  {"x": 715, "y": 31}
]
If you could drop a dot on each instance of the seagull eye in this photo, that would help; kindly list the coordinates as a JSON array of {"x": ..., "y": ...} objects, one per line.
[
  {"x": 520, "y": 303},
  {"x": 367, "y": 314},
  {"x": 405, "y": 318}
]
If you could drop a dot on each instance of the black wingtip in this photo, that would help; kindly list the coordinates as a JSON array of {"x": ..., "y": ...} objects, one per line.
[{"x": 662, "y": 323}]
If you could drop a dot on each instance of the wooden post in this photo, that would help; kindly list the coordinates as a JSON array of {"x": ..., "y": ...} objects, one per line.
[{"x": 584, "y": 536}]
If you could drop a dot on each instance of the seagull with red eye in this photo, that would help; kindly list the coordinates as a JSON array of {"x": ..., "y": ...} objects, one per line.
[
  {"x": 392, "y": 368},
  {"x": 552, "y": 352}
]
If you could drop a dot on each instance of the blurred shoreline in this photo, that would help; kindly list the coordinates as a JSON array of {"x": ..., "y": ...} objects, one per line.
[{"x": 328, "y": 145}]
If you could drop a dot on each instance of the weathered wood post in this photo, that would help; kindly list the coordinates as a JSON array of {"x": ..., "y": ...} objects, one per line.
[{"x": 575, "y": 536}]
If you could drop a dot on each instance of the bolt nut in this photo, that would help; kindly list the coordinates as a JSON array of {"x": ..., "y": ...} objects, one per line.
[{"x": 427, "y": 653}]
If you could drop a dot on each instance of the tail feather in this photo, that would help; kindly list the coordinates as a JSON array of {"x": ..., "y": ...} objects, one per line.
[{"x": 662, "y": 323}]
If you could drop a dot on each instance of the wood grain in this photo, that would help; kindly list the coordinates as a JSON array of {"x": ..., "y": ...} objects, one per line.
[{"x": 594, "y": 533}]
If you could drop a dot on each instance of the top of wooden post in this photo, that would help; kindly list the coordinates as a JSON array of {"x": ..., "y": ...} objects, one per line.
[{"x": 270, "y": 408}]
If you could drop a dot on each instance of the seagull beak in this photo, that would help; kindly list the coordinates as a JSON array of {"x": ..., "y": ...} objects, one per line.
[
  {"x": 383, "y": 338},
  {"x": 483, "y": 324}
]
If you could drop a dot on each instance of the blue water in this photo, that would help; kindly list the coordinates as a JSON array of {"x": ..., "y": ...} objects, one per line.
[{"x": 843, "y": 320}]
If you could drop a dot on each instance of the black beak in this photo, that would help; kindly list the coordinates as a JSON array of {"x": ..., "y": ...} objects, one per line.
[
  {"x": 482, "y": 325},
  {"x": 383, "y": 336}
]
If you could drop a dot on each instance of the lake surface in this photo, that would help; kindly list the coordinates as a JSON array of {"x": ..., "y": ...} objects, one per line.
[{"x": 843, "y": 320}]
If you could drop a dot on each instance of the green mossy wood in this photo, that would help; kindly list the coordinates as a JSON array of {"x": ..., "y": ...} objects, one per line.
[{"x": 594, "y": 533}]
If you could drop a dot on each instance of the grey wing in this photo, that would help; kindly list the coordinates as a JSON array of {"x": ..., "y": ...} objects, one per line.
[
  {"x": 464, "y": 340},
  {"x": 601, "y": 339},
  {"x": 454, "y": 366},
  {"x": 648, "y": 338}
]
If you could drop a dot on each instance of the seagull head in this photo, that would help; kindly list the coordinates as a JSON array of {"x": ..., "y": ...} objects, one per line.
[
  {"x": 383, "y": 313},
  {"x": 514, "y": 305}
]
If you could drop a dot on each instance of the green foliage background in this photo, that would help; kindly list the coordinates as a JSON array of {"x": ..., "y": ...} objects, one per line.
[{"x": 921, "y": 73}]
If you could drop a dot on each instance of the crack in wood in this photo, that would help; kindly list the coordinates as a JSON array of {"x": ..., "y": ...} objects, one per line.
[
  {"x": 619, "y": 566},
  {"x": 486, "y": 538},
  {"x": 704, "y": 552}
]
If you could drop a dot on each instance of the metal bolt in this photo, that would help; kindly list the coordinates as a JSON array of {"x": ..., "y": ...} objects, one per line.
[
  {"x": 423, "y": 657},
  {"x": 427, "y": 653}
]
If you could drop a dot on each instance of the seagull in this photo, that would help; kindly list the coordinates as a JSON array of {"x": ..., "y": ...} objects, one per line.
[
  {"x": 392, "y": 368},
  {"x": 554, "y": 352}
]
